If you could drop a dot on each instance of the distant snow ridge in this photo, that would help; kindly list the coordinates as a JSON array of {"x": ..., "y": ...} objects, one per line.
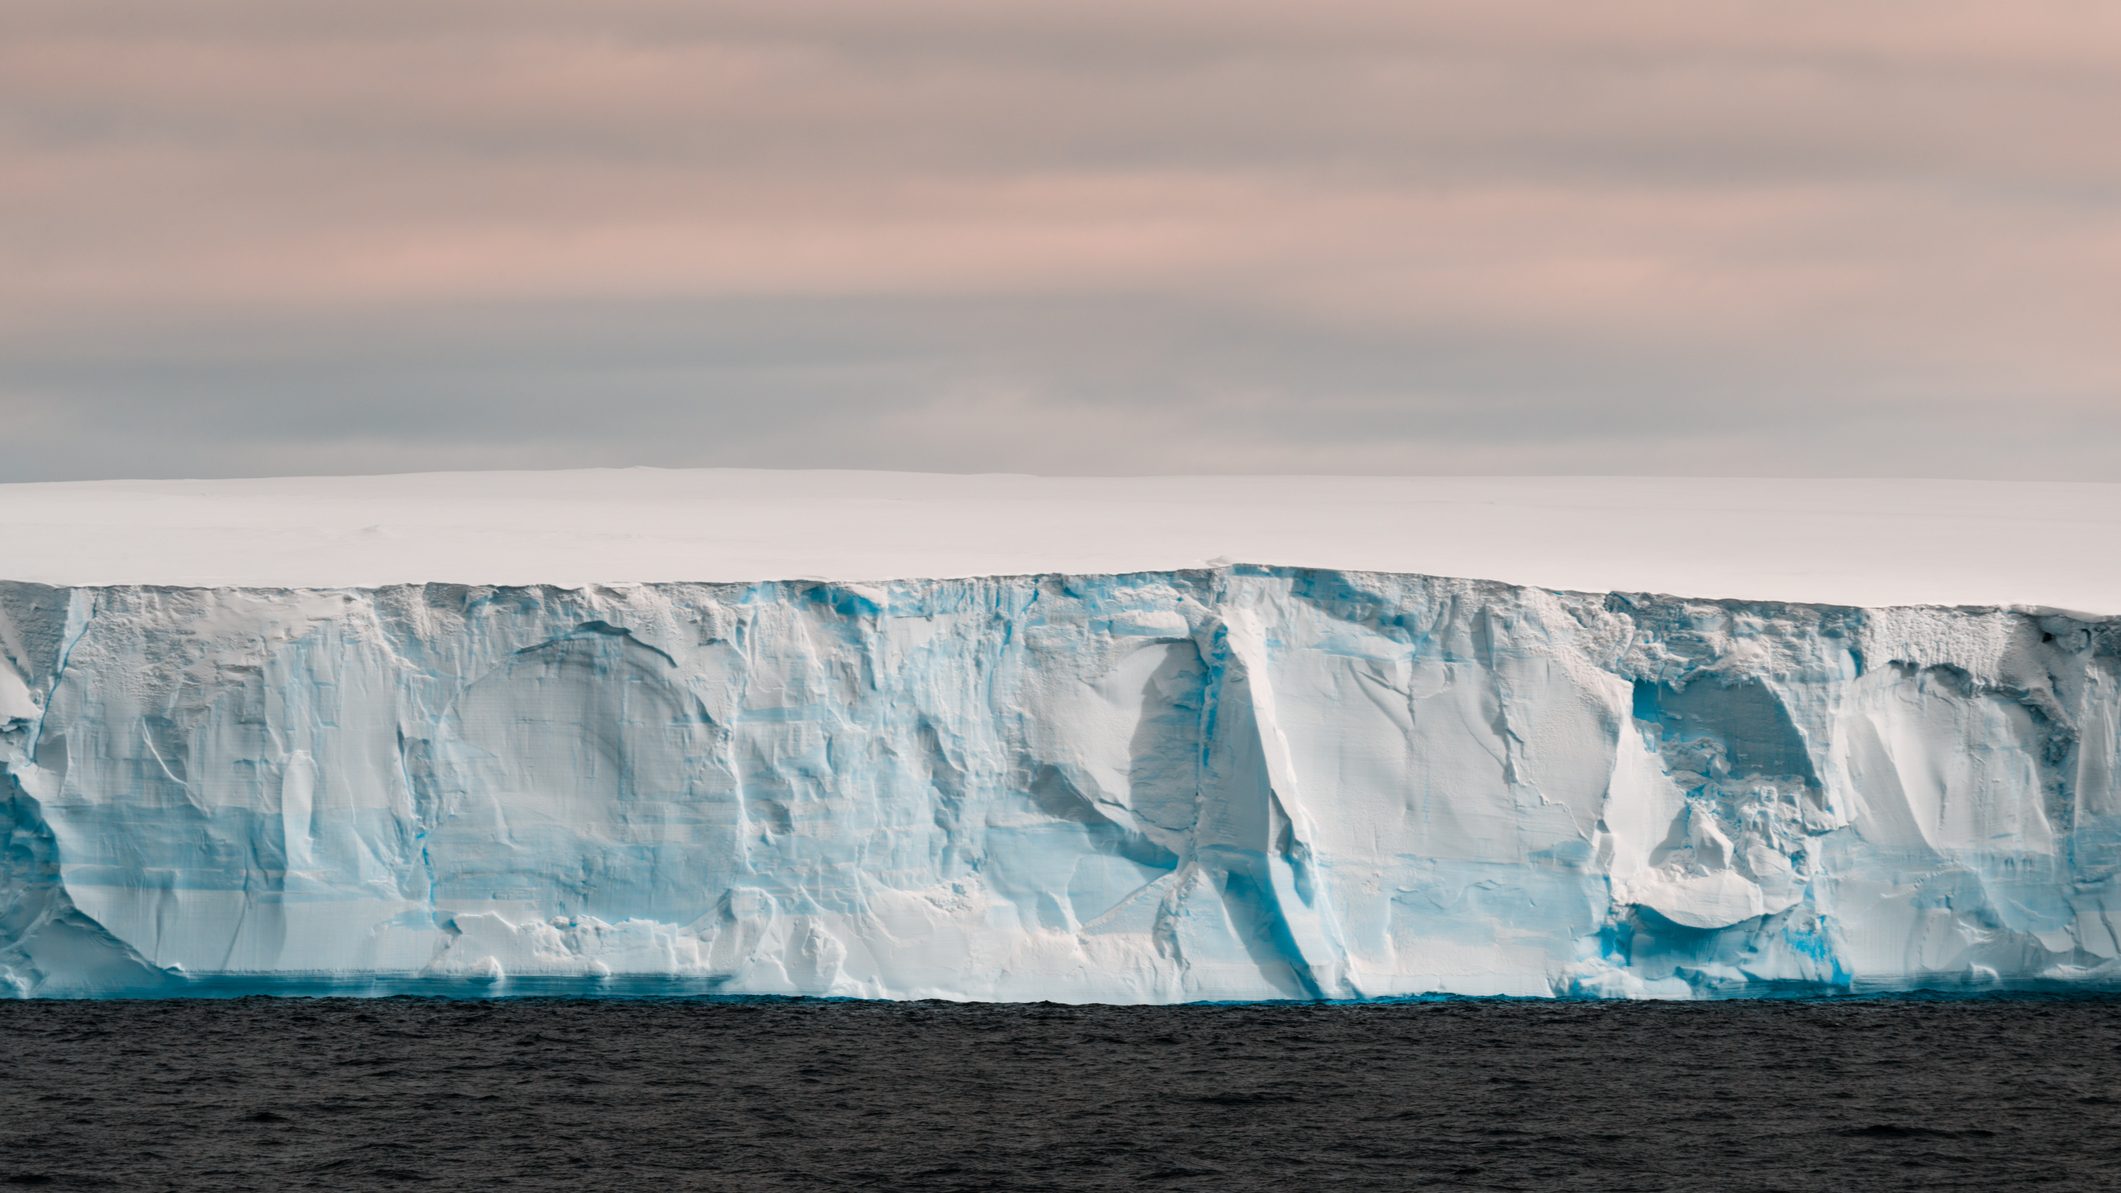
[{"x": 1230, "y": 783}]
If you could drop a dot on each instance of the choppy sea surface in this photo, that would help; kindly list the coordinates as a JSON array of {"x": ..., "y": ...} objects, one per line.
[{"x": 564, "y": 1094}]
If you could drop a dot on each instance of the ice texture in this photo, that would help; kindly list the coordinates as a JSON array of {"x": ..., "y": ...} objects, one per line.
[{"x": 1217, "y": 783}]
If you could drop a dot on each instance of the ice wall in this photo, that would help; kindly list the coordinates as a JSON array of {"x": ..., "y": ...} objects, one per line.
[{"x": 1237, "y": 783}]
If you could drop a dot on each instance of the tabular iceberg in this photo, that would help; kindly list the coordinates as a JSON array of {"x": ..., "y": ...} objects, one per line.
[{"x": 1218, "y": 783}]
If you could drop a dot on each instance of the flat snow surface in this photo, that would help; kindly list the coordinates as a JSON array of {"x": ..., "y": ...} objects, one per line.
[{"x": 1844, "y": 542}]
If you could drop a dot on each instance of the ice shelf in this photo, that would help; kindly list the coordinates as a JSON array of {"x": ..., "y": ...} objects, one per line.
[{"x": 318, "y": 768}]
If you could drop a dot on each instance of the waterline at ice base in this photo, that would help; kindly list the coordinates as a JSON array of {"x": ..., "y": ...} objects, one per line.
[{"x": 1295, "y": 778}]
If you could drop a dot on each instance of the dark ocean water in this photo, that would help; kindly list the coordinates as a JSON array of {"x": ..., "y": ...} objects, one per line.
[{"x": 551, "y": 1094}]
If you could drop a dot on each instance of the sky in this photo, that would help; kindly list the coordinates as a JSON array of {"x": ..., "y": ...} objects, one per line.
[{"x": 1859, "y": 238}]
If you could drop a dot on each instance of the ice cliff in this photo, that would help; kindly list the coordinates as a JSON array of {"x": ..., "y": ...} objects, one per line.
[{"x": 1222, "y": 783}]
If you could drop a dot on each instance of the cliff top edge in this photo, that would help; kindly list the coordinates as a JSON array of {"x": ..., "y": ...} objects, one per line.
[{"x": 1855, "y": 542}]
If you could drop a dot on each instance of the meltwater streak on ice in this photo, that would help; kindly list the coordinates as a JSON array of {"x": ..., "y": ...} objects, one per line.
[{"x": 1232, "y": 783}]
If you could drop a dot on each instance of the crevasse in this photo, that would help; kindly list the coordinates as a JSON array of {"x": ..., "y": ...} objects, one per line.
[{"x": 1233, "y": 783}]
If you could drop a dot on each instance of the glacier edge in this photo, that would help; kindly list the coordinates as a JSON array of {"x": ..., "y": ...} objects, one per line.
[{"x": 1241, "y": 782}]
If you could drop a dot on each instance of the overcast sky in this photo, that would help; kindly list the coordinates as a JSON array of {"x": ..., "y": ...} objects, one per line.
[{"x": 1065, "y": 236}]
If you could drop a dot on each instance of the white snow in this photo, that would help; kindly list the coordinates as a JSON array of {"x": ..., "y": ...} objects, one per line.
[
  {"x": 1172, "y": 784},
  {"x": 1162, "y": 787},
  {"x": 1838, "y": 541}
]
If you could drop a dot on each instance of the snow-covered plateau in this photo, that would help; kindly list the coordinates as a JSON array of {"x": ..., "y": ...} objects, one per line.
[{"x": 398, "y": 762}]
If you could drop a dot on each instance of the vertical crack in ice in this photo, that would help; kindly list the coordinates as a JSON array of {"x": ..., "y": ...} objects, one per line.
[
  {"x": 419, "y": 818},
  {"x": 1260, "y": 772},
  {"x": 80, "y": 612},
  {"x": 147, "y": 738}
]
